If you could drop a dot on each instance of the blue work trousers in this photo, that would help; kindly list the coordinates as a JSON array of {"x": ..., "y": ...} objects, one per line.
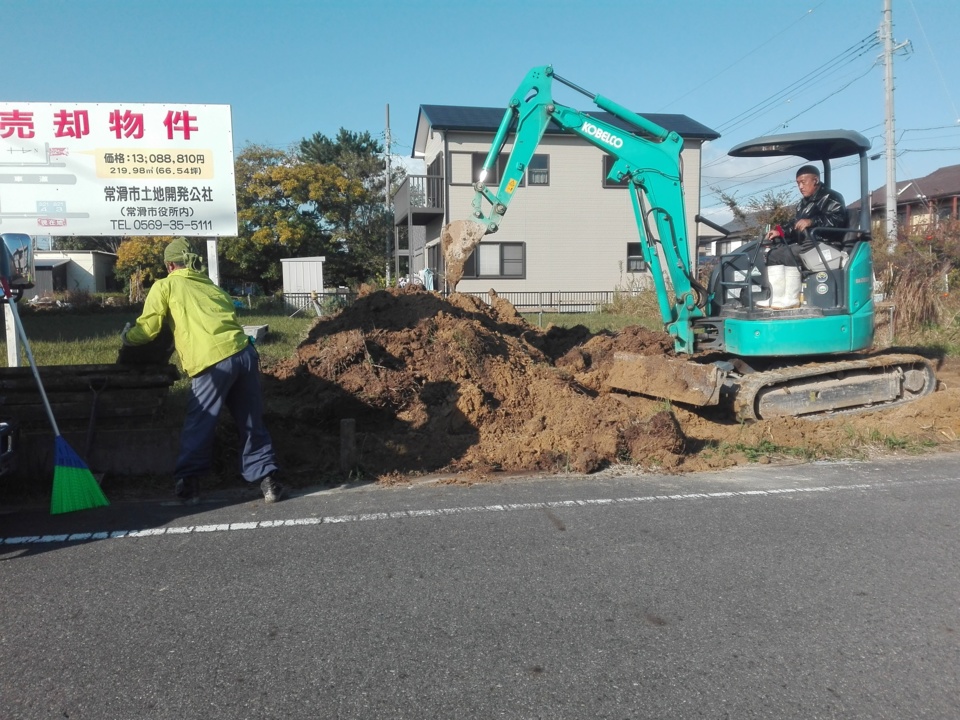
[{"x": 234, "y": 382}]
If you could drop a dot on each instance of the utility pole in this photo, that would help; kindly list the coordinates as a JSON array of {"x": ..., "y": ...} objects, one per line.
[
  {"x": 388, "y": 204},
  {"x": 891, "y": 153}
]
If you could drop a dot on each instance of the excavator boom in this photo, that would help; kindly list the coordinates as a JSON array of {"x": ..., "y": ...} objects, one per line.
[{"x": 647, "y": 158}]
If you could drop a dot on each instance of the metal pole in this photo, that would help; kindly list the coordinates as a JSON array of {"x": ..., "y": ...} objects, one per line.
[
  {"x": 213, "y": 261},
  {"x": 13, "y": 340},
  {"x": 387, "y": 193},
  {"x": 890, "y": 140}
]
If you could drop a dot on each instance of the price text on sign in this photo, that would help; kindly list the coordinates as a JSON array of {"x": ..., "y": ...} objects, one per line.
[{"x": 122, "y": 163}]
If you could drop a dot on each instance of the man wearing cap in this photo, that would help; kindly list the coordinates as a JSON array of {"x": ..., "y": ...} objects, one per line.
[
  {"x": 818, "y": 207},
  {"x": 224, "y": 368}
]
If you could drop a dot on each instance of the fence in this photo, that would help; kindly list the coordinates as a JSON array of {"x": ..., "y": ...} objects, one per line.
[
  {"x": 553, "y": 301},
  {"x": 328, "y": 301}
]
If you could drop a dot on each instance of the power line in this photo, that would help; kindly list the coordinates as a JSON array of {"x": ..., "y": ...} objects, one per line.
[
  {"x": 773, "y": 38},
  {"x": 935, "y": 63},
  {"x": 841, "y": 60},
  {"x": 787, "y": 122}
]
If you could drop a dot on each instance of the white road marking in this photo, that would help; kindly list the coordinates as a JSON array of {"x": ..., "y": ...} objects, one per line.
[{"x": 437, "y": 512}]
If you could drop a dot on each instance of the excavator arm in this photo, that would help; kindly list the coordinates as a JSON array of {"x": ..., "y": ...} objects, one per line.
[{"x": 647, "y": 158}]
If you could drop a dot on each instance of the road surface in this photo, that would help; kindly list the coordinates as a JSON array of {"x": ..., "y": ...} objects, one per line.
[{"x": 826, "y": 590}]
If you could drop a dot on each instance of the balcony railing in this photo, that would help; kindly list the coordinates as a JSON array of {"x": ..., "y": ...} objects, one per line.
[{"x": 419, "y": 197}]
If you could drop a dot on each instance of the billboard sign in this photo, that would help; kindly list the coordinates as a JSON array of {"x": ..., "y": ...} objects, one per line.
[{"x": 117, "y": 169}]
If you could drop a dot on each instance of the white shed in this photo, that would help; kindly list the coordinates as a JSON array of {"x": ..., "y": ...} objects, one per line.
[
  {"x": 87, "y": 270},
  {"x": 302, "y": 276}
]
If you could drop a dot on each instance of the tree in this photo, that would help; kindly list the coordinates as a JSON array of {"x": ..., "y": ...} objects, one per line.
[
  {"x": 324, "y": 199},
  {"x": 105, "y": 243},
  {"x": 280, "y": 205},
  {"x": 361, "y": 228},
  {"x": 768, "y": 210},
  {"x": 140, "y": 263}
]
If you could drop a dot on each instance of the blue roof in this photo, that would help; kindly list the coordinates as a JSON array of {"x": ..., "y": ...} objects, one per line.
[{"x": 487, "y": 119}]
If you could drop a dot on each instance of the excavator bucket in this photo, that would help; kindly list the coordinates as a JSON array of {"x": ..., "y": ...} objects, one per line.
[
  {"x": 670, "y": 378},
  {"x": 457, "y": 241}
]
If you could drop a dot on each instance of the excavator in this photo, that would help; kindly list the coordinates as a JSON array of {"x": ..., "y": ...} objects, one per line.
[{"x": 730, "y": 348}]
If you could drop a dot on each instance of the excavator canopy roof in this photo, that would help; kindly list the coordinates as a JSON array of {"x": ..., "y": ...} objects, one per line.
[{"x": 814, "y": 145}]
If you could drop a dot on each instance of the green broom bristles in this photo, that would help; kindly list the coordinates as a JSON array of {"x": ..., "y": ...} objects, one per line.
[{"x": 74, "y": 486}]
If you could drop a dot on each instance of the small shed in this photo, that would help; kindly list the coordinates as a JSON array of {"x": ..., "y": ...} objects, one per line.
[
  {"x": 301, "y": 277},
  {"x": 50, "y": 276},
  {"x": 86, "y": 270}
]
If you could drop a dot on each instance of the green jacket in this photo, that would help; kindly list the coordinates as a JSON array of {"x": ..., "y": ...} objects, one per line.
[{"x": 201, "y": 315}]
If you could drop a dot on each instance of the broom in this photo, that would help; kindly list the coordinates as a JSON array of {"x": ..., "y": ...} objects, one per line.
[{"x": 74, "y": 486}]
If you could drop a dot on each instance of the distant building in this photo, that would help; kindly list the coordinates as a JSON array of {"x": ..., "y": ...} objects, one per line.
[
  {"x": 72, "y": 271},
  {"x": 922, "y": 203}
]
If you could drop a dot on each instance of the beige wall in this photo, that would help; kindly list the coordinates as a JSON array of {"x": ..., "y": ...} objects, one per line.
[{"x": 575, "y": 230}]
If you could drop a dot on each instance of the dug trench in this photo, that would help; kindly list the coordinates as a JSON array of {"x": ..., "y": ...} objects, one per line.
[{"x": 456, "y": 388}]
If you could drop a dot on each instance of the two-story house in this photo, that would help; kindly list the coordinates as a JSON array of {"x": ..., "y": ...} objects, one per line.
[
  {"x": 567, "y": 229},
  {"x": 922, "y": 203}
]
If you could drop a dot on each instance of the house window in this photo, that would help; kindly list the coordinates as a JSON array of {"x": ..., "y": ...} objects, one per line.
[
  {"x": 539, "y": 170},
  {"x": 493, "y": 260},
  {"x": 495, "y": 174},
  {"x": 635, "y": 262},
  {"x": 608, "y": 161}
]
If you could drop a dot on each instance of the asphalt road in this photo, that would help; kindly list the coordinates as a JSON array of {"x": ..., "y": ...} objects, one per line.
[{"x": 811, "y": 591}]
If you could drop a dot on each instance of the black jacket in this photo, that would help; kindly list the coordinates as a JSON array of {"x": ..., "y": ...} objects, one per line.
[{"x": 825, "y": 207}]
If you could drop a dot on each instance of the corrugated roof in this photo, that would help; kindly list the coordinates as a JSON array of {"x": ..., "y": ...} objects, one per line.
[{"x": 487, "y": 119}]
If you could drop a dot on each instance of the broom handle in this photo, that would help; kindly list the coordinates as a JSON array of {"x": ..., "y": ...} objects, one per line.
[{"x": 33, "y": 365}]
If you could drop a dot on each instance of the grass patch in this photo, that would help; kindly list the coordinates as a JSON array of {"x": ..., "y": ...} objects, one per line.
[
  {"x": 63, "y": 337},
  {"x": 765, "y": 449}
]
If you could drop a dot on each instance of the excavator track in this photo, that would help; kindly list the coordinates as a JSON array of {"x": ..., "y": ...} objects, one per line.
[{"x": 843, "y": 386}]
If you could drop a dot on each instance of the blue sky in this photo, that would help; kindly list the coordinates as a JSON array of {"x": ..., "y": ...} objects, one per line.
[{"x": 290, "y": 68}]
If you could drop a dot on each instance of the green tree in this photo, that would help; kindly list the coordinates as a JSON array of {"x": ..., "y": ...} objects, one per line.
[
  {"x": 104, "y": 243},
  {"x": 326, "y": 198},
  {"x": 140, "y": 263},
  {"x": 359, "y": 229},
  {"x": 280, "y": 205}
]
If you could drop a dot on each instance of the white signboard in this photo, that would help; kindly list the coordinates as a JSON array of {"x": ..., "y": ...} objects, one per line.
[{"x": 117, "y": 169}]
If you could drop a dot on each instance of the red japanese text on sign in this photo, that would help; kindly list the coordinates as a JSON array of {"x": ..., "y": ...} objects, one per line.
[
  {"x": 17, "y": 122},
  {"x": 179, "y": 122},
  {"x": 126, "y": 124},
  {"x": 74, "y": 124}
]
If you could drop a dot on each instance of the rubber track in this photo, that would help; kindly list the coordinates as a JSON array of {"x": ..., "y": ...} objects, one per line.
[{"x": 749, "y": 386}]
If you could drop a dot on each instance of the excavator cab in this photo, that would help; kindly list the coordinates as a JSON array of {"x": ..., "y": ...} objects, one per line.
[{"x": 836, "y": 311}]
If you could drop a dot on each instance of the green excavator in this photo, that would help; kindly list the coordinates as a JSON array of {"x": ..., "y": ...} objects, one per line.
[{"x": 730, "y": 347}]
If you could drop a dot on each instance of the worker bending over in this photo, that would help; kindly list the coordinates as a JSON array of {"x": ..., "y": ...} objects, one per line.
[{"x": 224, "y": 368}]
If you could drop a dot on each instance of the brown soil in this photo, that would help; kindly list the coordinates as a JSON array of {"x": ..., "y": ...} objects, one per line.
[{"x": 457, "y": 387}]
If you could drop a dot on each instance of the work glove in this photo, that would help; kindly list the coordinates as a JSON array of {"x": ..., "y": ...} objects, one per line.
[
  {"x": 775, "y": 235},
  {"x": 123, "y": 334}
]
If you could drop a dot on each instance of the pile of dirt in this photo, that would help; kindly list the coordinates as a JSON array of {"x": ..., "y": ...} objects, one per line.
[{"x": 454, "y": 385}]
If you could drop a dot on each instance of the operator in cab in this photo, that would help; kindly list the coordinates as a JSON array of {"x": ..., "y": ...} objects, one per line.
[{"x": 818, "y": 207}]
